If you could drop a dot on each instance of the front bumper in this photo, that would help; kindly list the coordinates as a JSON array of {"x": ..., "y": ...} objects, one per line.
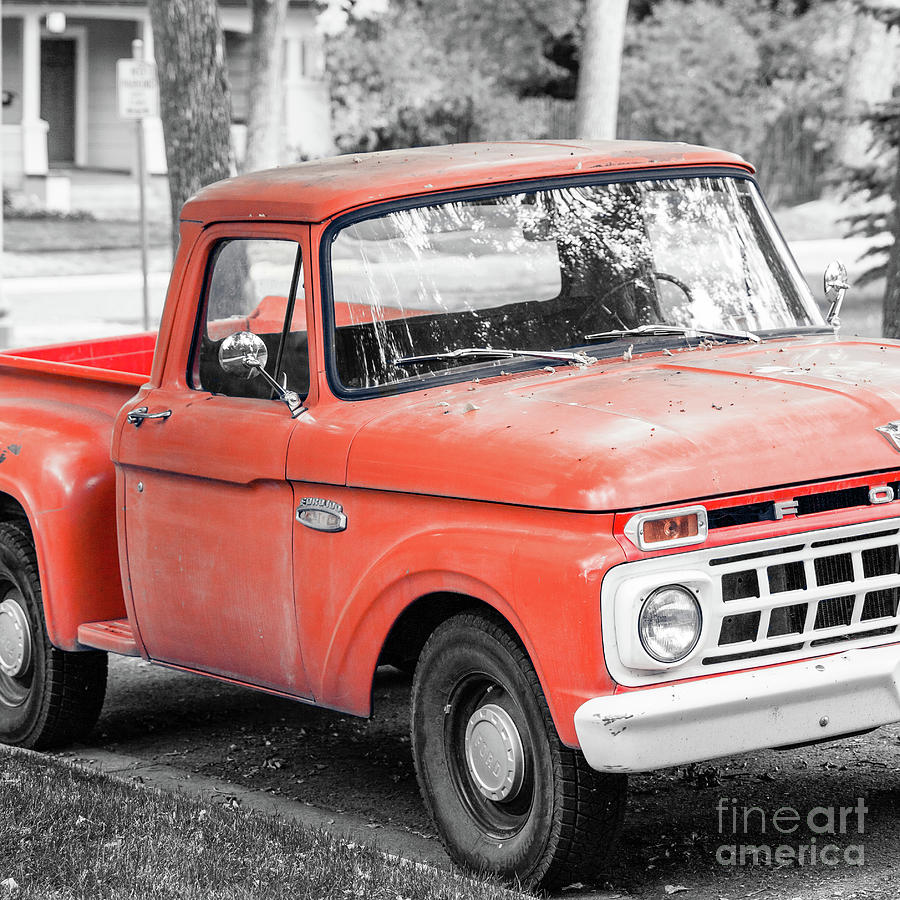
[{"x": 817, "y": 699}]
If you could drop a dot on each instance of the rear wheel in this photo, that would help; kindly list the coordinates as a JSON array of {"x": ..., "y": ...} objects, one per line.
[
  {"x": 48, "y": 697},
  {"x": 506, "y": 796}
]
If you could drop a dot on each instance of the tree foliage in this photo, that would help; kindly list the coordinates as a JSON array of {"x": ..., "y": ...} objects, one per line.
[
  {"x": 429, "y": 71},
  {"x": 723, "y": 73},
  {"x": 872, "y": 180},
  {"x": 712, "y": 71},
  {"x": 877, "y": 180}
]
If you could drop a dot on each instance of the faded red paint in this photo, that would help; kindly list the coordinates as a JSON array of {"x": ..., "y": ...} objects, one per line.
[{"x": 315, "y": 191}]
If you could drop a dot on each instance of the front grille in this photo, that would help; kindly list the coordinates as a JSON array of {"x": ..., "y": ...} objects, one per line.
[
  {"x": 764, "y": 602},
  {"x": 807, "y": 504},
  {"x": 827, "y": 590},
  {"x": 830, "y": 500}
]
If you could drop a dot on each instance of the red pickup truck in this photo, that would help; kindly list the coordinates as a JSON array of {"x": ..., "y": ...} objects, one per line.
[{"x": 556, "y": 426}]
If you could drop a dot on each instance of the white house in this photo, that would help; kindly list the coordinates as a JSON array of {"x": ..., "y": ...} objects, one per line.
[{"x": 59, "y": 85}]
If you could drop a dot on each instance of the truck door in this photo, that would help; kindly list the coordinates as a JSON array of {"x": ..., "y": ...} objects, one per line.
[{"x": 208, "y": 513}]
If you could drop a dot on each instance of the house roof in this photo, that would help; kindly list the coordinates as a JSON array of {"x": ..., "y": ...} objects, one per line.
[{"x": 317, "y": 190}]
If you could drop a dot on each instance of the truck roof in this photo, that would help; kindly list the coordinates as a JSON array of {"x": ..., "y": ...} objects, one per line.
[{"x": 319, "y": 189}]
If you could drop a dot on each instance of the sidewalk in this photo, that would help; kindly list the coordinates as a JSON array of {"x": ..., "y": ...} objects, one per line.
[
  {"x": 59, "y": 263},
  {"x": 56, "y": 297}
]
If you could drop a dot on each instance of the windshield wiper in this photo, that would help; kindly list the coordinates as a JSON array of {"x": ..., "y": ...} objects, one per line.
[
  {"x": 487, "y": 353},
  {"x": 661, "y": 329}
]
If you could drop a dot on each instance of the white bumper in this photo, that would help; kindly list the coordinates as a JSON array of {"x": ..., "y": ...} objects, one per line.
[{"x": 647, "y": 729}]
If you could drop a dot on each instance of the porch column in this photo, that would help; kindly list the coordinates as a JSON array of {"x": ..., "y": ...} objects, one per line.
[
  {"x": 34, "y": 129},
  {"x": 307, "y": 115}
]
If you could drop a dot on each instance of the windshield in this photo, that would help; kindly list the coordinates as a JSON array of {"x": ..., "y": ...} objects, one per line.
[{"x": 548, "y": 270}]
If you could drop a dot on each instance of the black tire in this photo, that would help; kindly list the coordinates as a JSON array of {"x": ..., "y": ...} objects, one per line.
[
  {"x": 48, "y": 697},
  {"x": 553, "y": 818}
]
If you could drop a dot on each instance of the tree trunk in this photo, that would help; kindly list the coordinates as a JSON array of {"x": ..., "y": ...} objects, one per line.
[
  {"x": 869, "y": 79},
  {"x": 597, "y": 96},
  {"x": 890, "y": 317},
  {"x": 266, "y": 91},
  {"x": 195, "y": 105}
]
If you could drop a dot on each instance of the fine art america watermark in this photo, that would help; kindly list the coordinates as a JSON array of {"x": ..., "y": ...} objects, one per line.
[{"x": 790, "y": 837}]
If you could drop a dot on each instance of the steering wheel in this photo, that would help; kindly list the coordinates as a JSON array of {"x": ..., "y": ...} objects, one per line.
[{"x": 657, "y": 276}]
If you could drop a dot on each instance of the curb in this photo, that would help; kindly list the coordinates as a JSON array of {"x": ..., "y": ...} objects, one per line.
[{"x": 387, "y": 839}]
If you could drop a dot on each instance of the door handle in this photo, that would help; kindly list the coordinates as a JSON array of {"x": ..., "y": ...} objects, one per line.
[{"x": 136, "y": 416}]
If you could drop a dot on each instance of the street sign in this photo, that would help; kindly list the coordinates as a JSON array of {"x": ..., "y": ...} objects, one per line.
[
  {"x": 137, "y": 88},
  {"x": 138, "y": 92}
]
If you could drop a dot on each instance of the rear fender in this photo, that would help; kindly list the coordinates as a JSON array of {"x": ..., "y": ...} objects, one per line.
[{"x": 60, "y": 473}]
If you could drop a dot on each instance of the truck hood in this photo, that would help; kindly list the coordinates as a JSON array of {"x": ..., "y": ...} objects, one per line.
[{"x": 657, "y": 429}]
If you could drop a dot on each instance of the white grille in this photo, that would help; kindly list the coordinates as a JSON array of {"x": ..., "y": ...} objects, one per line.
[{"x": 766, "y": 601}]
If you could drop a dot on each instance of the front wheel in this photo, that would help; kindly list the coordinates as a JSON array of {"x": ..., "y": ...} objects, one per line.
[
  {"x": 47, "y": 697},
  {"x": 507, "y": 797}
]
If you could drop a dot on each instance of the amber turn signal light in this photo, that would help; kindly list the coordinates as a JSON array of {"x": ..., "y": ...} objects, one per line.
[{"x": 672, "y": 528}]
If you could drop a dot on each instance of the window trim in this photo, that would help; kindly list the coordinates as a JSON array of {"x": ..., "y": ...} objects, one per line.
[{"x": 298, "y": 279}]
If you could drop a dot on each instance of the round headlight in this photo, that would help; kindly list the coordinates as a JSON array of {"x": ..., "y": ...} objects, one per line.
[{"x": 669, "y": 623}]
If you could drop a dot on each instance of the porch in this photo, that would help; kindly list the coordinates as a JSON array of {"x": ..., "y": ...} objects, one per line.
[{"x": 60, "y": 111}]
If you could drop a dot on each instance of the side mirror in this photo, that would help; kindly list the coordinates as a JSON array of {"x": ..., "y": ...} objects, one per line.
[
  {"x": 244, "y": 354},
  {"x": 836, "y": 286}
]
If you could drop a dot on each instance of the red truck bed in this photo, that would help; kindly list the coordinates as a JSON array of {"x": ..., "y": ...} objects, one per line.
[{"x": 131, "y": 355}]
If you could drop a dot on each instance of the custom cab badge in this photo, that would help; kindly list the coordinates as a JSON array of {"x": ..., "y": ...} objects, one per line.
[
  {"x": 321, "y": 515},
  {"x": 892, "y": 432}
]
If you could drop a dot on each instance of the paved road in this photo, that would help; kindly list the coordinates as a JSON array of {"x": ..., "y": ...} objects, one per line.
[{"x": 51, "y": 309}]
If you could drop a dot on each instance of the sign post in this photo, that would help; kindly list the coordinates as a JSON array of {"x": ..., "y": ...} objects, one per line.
[
  {"x": 5, "y": 326},
  {"x": 138, "y": 93}
]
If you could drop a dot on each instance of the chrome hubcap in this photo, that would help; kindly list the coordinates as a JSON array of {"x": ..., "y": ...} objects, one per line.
[
  {"x": 15, "y": 638},
  {"x": 494, "y": 752}
]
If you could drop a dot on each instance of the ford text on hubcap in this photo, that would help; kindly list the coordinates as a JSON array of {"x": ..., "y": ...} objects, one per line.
[{"x": 494, "y": 752}]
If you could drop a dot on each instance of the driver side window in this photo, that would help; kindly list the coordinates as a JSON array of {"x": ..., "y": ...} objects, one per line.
[{"x": 250, "y": 286}]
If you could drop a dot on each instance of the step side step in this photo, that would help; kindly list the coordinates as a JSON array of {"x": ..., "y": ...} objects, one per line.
[{"x": 116, "y": 636}]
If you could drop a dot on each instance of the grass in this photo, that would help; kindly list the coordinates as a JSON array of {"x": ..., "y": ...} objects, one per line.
[
  {"x": 67, "y": 832},
  {"x": 23, "y": 235}
]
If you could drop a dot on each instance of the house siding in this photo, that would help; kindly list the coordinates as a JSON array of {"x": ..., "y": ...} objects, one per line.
[
  {"x": 104, "y": 30},
  {"x": 11, "y": 57},
  {"x": 111, "y": 140}
]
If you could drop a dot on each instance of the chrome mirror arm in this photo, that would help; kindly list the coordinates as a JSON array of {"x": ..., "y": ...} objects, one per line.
[
  {"x": 244, "y": 354},
  {"x": 291, "y": 398}
]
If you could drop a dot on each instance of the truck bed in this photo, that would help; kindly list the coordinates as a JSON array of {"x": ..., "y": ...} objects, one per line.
[
  {"x": 100, "y": 374},
  {"x": 57, "y": 408},
  {"x": 128, "y": 354}
]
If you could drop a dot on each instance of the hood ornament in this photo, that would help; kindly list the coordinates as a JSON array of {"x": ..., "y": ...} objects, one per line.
[{"x": 892, "y": 432}]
